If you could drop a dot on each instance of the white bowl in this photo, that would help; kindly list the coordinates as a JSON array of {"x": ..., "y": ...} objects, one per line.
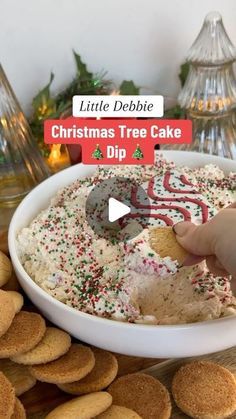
[{"x": 131, "y": 339}]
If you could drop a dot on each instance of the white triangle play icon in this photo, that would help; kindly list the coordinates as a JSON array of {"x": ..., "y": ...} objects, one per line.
[{"x": 116, "y": 210}]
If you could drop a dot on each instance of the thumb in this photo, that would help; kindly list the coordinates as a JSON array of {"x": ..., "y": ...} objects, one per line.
[{"x": 195, "y": 239}]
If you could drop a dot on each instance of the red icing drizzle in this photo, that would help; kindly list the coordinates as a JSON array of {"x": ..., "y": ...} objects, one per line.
[
  {"x": 195, "y": 201},
  {"x": 185, "y": 181},
  {"x": 169, "y": 188},
  {"x": 167, "y": 219},
  {"x": 186, "y": 214}
]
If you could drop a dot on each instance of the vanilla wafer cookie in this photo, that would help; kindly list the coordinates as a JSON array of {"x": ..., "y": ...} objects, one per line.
[
  {"x": 163, "y": 241},
  {"x": 19, "y": 411},
  {"x": 5, "y": 269},
  {"x": 18, "y": 300},
  {"x": 53, "y": 345},
  {"x": 103, "y": 373},
  {"x": 84, "y": 407},
  {"x": 143, "y": 394},
  {"x": 7, "y": 311},
  {"x": 7, "y": 397},
  {"x": 118, "y": 412},
  {"x": 205, "y": 390},
  {"x": 25, "y": 332},
  {"x": 18, "y": 375},
  {"x": 74, "y": 365}
]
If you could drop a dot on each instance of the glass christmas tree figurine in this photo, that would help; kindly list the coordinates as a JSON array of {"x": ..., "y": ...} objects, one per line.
[
  {"x": 21, "y": 164},
  {"x": 209, "y": 94}
]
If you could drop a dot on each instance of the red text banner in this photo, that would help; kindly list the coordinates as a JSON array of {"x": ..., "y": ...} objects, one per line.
[{"x": 117, "y": 141}]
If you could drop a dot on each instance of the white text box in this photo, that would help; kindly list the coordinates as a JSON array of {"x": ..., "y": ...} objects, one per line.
[{"x": 115, "y": 106}]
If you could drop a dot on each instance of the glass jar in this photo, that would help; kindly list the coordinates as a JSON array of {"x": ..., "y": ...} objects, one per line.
[
  {"x": 209, "y": 93},
  {"x": 21, "y": 164}
]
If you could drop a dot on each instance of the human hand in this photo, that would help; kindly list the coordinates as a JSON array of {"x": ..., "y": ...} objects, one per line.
[{"x": 214, "y": 241}]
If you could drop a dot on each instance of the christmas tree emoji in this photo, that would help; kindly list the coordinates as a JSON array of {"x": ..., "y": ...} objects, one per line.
[
  {"x": 97, "y": 154},
  {"x": 138, "y": 154}
]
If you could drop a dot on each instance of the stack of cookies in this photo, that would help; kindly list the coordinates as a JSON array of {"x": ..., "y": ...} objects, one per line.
[
  {"x": 14, "y": 380},
  {"x": 31, "y": 351},
  {"x": 133, "y": 396}
]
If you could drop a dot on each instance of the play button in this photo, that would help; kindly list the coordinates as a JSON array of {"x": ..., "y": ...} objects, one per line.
[{"x": 117, "y": 209}]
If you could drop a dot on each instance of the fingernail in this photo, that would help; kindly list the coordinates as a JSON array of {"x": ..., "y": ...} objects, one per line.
[{"x": 180, "y": 228}]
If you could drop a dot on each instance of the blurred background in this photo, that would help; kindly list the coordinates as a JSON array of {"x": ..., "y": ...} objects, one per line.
[{"x": 145, "y": 41}]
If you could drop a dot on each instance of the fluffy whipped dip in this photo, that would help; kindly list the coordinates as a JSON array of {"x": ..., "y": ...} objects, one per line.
[{"x": 128, "y": 281}]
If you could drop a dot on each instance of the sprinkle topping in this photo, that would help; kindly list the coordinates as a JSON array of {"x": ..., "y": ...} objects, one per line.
[{"x": 65, "y": 257}]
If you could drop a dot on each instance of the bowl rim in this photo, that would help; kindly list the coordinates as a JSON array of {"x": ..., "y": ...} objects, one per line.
[{"x": 105, "y": 321}]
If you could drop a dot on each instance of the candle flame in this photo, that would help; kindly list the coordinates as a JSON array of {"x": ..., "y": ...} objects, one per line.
[
  {"x": 55, "y": 153},
  {"x": 115, "y": 92}
]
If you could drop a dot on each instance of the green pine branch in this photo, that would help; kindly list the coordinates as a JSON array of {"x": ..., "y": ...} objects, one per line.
[{"x": 46, "y": 106}]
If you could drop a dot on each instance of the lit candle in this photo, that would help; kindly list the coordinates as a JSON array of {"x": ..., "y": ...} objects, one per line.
[{"x": 58, "y": 159}]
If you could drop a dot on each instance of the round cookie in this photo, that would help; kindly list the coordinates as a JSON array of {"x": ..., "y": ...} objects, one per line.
[
  {"x": 18, "y": 375},
  {"x": 143, "y": 394},
  {"x": 25, "y": 332},
  {"x": 5, "y": 269},
  {"x": 203, "y": 389},
  {"x": 12, "y": 284},
  {"x": 118, "y": 412},
  {"x": 7, "y": 397},
  {"x": 163, "y": 241},
  {"x": 54, "y": 344},
  {"x": 18, "y": 300},
  {"x": 73, "y": 366},
  {"x": 19, "y": 411},
  {"x": 84, "y": 407},
  {"x": 103, "y": 373},
  {"x": 7, "y": 312}
]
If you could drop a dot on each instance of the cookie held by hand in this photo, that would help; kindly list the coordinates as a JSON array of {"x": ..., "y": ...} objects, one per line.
[{"x": 163, "y": 241}]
